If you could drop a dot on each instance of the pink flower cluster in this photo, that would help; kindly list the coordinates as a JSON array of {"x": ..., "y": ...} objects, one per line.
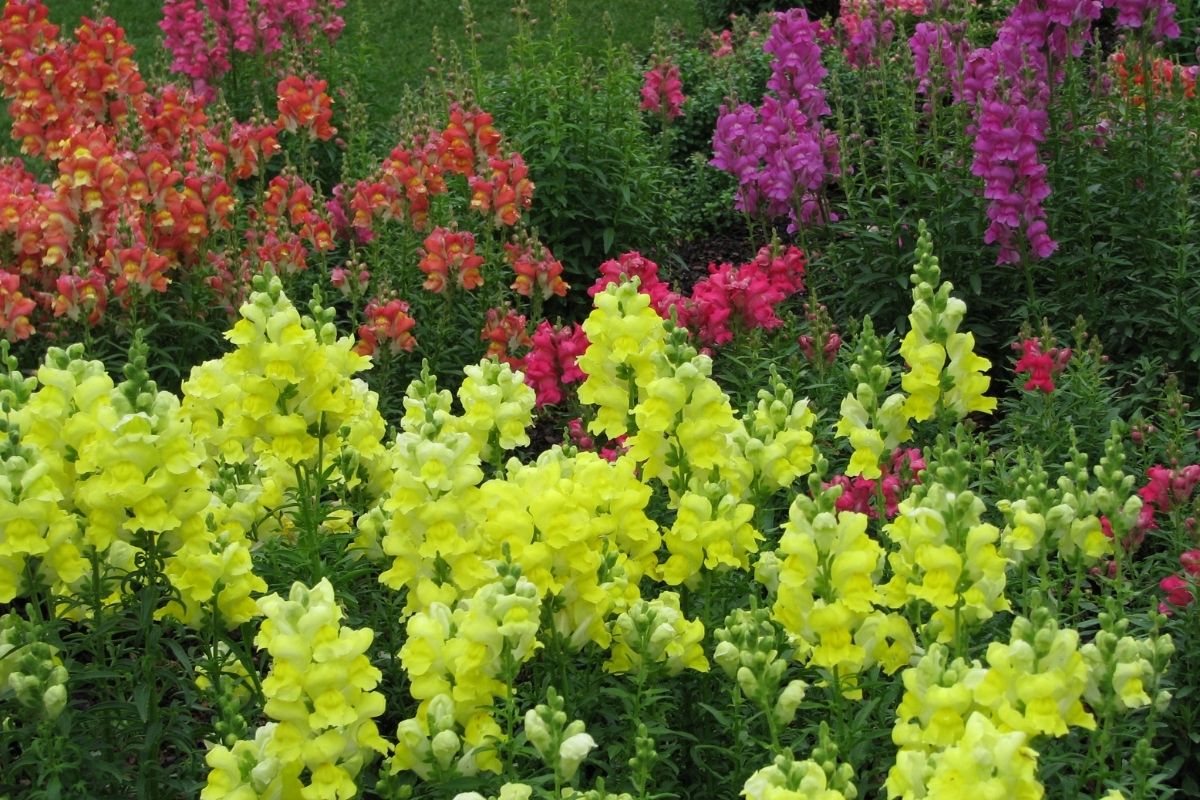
[
  {"x": 747, "y": 294},
  {"x": 1041, "y": 365},
  {"x": 663, "y": 299},
  {"x": 1160, "y": 14},
  {"x": 1180, "y": 587},
  {"x": 552, "y": 363},
  {"x": 780, "y": 152},
  {"x": 1166, "y": 489},
  {"x": 823, "y": 342},
  {"x": 898, "y": 476},
  {"x": 662, "y": 90},
  {"x": 584, "y": 441},
  {"x": 744, "y": 295},
  {"x": 203, "y": 35}
]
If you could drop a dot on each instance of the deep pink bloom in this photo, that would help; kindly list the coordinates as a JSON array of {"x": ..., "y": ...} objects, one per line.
[
  {"x": 1177, "y": 589},
  {"x": 662, "y": 90},
  {"x": 552, "y": 362},
  {"x": 635, "y": 265}
]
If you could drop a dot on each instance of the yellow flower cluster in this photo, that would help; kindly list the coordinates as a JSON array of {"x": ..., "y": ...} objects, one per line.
[
  {"x": 1122, "y": 670},
  {"x": 933, "y": 384},
  {"x": 32, "y": 515},
  {"x": 624, "y": 334},
  {"x": 321, "y": 702},
  {"x": 749, "y": 650},
  {"x": 497, "y": 408},
  {"x": 946, "y": 555},
  {"x": 778, "y": 439},
  {"x": 873, "y": 428},
  {"x": 983, "y": 762},
  {"x": 562, "y": 745},
  {"x": 1035, "y": 682},
  {"x": 711, "y": 529},
  {"x": 283, "y": 400},
  {"x": 828, "y": 598},
  {"x": 656, "y": 632},
  {"x": 821, "y": 777},
  {"x": 30, "y": 670},
  {"x": 458, "y": 661},
  {"x": 1069, "y": 514}
]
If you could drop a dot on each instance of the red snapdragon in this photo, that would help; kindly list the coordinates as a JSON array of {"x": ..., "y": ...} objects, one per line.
[{"x": 1041, "y": 365}]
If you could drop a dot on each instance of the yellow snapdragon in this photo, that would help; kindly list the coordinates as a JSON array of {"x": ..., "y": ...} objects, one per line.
[
  {"x": 321, "y": 700},
  {"x": 821, "y": 777},
  {"x": 944, "y": 372},
  {"x": 285, "y": 396},
  {"x": 778, "y": 440},
  {"x": 873, "y": 428},
  {"x": 711, "y": 529},
  {"x": 624, "y": 333},
  {"x": 33, "y": 519},
  {"x": 946, "y": 555},
  {"x": 828, "y": 592},
  {"x": 497, "y": 408},
  {"x": 1036, "y": 681},
  {"x": 656, "y": 631}
]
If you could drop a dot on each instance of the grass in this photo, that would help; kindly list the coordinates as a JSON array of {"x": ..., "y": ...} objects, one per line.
[{"x": 396, "y": 36}]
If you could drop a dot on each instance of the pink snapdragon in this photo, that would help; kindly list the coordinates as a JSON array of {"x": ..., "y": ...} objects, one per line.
[
  {"x": 946, "y": 42},
  {"x": 203, "y": 35},
  {"x": 634, "y": 265},
  {"x": 900, "y": 474},
  {"x": 746, "y": 294},
  {"x": 1166, "y": 489},
  {"x": 552, "y": 363},
  {"x": 662, "y": 90}
]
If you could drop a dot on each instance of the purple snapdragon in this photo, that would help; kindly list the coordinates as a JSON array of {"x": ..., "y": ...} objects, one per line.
[{"x": 780, "y": 152}]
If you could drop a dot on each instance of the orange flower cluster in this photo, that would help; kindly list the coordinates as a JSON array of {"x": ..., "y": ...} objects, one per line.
[
  {"x": 535, "y": 267},
  {"x": 1166, "y": 78},
  {"x": 469, "y": 146},
  {"x": 389, "y": 322},
  {"x": 141, "y": 179},
  {"x": 445, "y": 251},
  {"x": 304, "y": 106}
]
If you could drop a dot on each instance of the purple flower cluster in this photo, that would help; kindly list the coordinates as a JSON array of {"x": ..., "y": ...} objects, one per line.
[
  {"x": 796, "y": 69},
  {"x": 1008, "y": 85},
  {"x": 202, "y": 35},
  {"x": 780, "y": 152},
  {"x": 867, "y": 39},
  {"x": 1158, "y": 13}
]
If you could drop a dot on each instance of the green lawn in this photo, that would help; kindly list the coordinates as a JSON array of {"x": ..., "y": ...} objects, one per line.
[{"x": 399, "y": 32}]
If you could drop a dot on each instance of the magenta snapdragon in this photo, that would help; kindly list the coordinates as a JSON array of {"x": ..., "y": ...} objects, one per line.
[{"x": 202, "y": 35}]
